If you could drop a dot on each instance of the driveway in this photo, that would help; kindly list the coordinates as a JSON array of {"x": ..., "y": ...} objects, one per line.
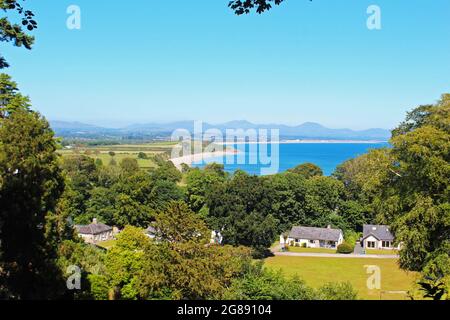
[
  {"x": 359, "y": 253},
  {"x": 335, "y": 255}
]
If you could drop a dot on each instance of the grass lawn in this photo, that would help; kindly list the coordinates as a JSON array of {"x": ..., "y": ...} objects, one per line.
[
  {"x": 382, "y": 252},
  {"x": 311, "y": 250},
  {"x": 107, "y": 244},
  {"x": 319, "y": 271}
]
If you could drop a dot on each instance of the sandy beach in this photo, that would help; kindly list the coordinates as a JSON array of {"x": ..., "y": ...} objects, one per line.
[{"x": 199, "y": 157}]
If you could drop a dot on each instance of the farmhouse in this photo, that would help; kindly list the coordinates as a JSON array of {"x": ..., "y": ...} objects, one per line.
[
  {"x": 95, "y": 232},
  {"x": 377, "y": 237},
  {"x": 308, "y": 237}
]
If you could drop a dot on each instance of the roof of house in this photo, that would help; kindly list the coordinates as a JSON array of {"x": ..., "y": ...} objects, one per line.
[
  {"x": 380, "y": 232},
  {"x": 93, "y": 228},
  {"x": 150, "y": 231},
  {"x": 308, "y": 233}
]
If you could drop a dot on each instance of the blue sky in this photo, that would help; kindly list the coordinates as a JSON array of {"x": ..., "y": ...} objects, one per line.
[{"x": 160, "y": 61}]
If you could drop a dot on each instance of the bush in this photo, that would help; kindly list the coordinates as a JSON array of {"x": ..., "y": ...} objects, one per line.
[
  {"x": 337, "y": 291},
  {"x": 142, "y": 155},
  {"x": 345, "y": 248}
]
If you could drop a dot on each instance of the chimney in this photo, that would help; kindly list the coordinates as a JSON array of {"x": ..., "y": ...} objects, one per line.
[{"x": 94, "y": 221}]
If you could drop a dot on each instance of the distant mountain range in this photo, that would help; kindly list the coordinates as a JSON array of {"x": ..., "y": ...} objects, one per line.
[{"x": 308, "y": 130}]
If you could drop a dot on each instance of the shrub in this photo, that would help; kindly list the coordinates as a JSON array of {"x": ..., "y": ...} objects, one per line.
[
  {"x": 142, "y": 155},
  {"x": 303, "y": 245},
  {"x": 345, "y": 248},
  {"x": 337, "y": 291}
]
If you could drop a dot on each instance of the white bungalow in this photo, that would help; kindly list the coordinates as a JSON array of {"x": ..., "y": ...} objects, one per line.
[{"x": 308, "y": 237}]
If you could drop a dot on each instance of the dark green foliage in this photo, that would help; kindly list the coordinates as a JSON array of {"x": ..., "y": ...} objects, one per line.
[
  {"x": 287, "y": 198},
  {"x": 166, "y": 171},
  {"x": 30, "y": 186},
  {"x": 10, "y": 98},
  {"x": 239, "y": 207},
  {"x": 246, "y": 6},
  {"x": 199, "y": 182},
  {"x": 354, "y": 215},
  {"x": 129, "y": 165},
  {"x": 415, "y": 195},
  {"x": 142, "y": 155},
  {"x": 13, "y": 32},
  {"x": 118, "y": 195},
  {"x": 307, "y": 170},
  {"x": 259, "y": 283},
  {"x": 89, "y": 259}
]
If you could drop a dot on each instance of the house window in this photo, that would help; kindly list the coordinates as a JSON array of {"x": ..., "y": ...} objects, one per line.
[
  {"x": 371, "y": 244},
  {"x": 386, "y": 244},
  {"x": 311, "y": 241}
]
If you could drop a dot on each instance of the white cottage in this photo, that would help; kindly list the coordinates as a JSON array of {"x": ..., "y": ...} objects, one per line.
[
  {"x": 378, "y": 237},
  {"x": 308, "y": 237}
]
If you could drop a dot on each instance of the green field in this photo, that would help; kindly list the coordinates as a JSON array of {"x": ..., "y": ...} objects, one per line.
[
  {"x": 106, "y": 158},
  {"x": 122, "y": 151},
  {"x": 311, "y": 250},
  {"x": 382, "y": 252},
  {"x": 319, "y": 271}
]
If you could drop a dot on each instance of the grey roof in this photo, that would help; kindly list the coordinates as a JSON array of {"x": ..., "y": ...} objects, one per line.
[
  {"x": 309, "y": 233},
  {"x": 378, "y": 231},
  {"x": 94, "y": 228}
]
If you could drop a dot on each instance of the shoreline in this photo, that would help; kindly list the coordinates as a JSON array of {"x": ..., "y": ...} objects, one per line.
[
  {"x": 198, "y": 157},
  {"x": 305, "y": 141}
]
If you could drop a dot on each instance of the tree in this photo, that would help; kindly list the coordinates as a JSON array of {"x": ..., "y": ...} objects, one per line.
[
  {"x": 198, "y": 183},
  {"x": 323, "y": 198},
  {"x": 178, "y": 224},
  {"x": 124, "y": 263},
  {"x": 31, "y": 184},
  {"x": 179, "y": 265},
  {"x": 240, "y": 209},
  {"x": 414, "y": 195},
  {"x": 287, "y": 199},
  {"x": 246, "y": 6},
  {"x": 142, "y": 155},
  {"x": 13, "y": 32},
  {"x": 129, "y": 165},
  {"x": 10, "y": 97},
  {"x": 166, "y": 171},
  {"x": 128, "y": 211},
  {"x": 82, "y": 176},
  {"x": 259, "y": 283},
  {"x": 307, "y": 170}
]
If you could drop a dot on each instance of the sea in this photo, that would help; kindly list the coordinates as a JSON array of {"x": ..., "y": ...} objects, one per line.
[{"x": 263, "y": 159}]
